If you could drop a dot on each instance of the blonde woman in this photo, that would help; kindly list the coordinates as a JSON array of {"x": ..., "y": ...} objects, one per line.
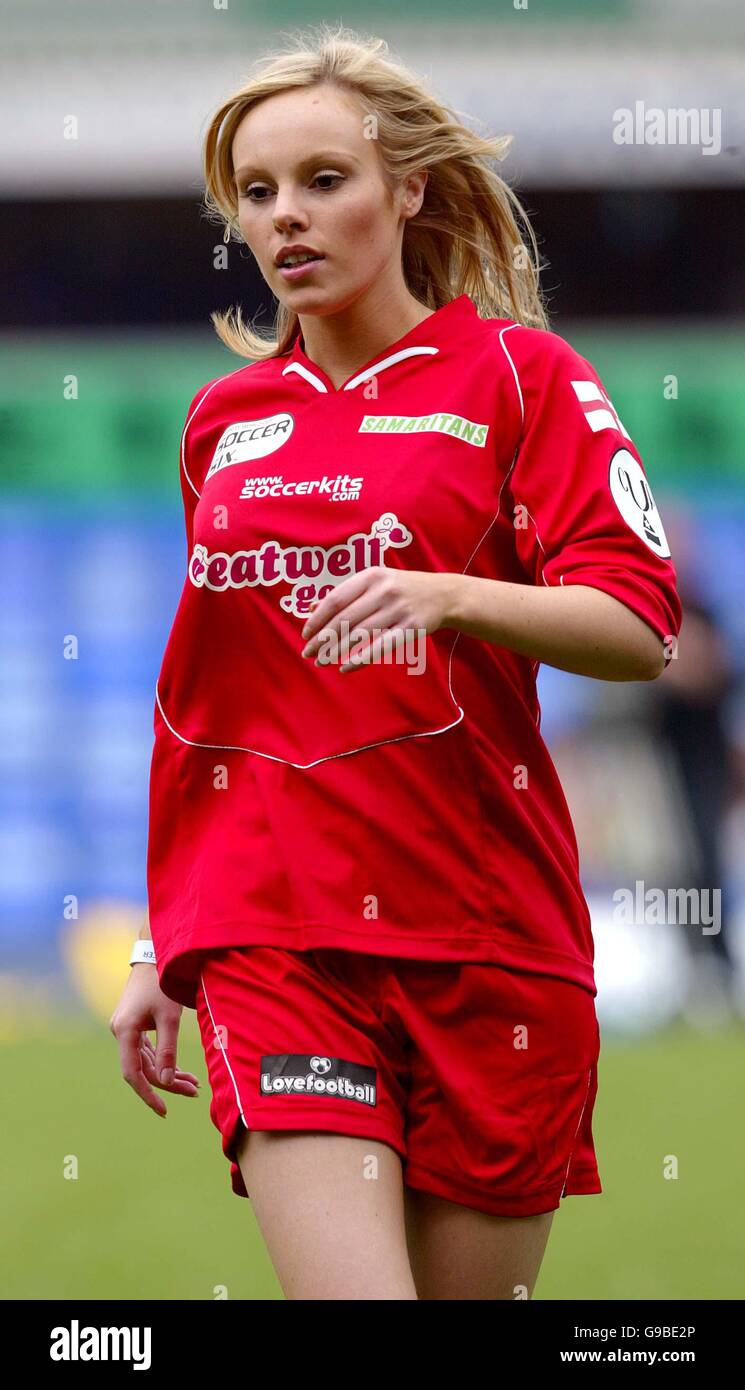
[{"x": 362, "y": 871}]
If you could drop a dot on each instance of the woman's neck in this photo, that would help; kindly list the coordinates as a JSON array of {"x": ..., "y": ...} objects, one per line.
[{"x": 343, "y": 342}]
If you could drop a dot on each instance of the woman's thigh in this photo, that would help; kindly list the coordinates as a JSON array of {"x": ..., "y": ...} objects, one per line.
[
  {"x": 331, "y": 1212},
  {"x": 457, "y": 1252}
]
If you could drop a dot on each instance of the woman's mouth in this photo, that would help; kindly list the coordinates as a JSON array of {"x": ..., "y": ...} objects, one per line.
[{"x": 295, "y": 272}]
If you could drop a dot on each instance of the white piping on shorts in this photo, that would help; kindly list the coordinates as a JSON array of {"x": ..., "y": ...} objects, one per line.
[
  {"x": 576, "y": 1132},
  {"x": 224, "y": 1053}
]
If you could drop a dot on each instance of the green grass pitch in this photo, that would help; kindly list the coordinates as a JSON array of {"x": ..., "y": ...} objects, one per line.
[{"x": 151, "y": 1214}]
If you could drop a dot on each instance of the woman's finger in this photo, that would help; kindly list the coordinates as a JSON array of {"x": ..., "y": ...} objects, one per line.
[
  {"x": 180, "y": 1073},
  {"x": 132, "y": 1062},
  {"x": 180, "y": 1086},
  {"x": 148, "y": 1063}
]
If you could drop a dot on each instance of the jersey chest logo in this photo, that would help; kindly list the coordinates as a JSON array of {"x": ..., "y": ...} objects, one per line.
[
  {"x": 470, "y": 431},
  {"x": 312, "y": 570},
  {"x": 251, "y": 439}
]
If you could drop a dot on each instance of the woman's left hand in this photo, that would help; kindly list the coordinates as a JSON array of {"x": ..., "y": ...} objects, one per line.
[{"x": 392, "y": 600}]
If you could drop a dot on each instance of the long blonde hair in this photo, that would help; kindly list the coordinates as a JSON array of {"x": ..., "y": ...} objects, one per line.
[{"x": 466, "y": 237}]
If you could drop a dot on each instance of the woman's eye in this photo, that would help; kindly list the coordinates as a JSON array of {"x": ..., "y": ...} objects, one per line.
[
  {"x": 330, "y": 176},
  {"x": 255, "y": 188}
]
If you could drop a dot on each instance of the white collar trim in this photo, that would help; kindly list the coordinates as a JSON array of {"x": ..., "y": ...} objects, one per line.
[{"x": 364, "y": 375}]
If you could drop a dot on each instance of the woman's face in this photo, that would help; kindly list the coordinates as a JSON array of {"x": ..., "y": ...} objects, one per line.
[{"x": 306, "y": 174}]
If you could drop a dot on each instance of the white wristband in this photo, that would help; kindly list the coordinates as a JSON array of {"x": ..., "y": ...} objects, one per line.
[{"x": 143, "y": 950}]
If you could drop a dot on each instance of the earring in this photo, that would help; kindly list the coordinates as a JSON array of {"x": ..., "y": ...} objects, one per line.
[{"x": 226, "y": 234}]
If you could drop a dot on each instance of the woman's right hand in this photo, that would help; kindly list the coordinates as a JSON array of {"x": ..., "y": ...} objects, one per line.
[{"x": 142, "y": 1007}]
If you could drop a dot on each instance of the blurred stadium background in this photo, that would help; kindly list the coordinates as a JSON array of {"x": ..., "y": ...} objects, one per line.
[{"x": 109, "y": 279}]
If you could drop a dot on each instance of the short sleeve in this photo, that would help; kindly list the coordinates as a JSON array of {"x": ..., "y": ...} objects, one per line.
[{"x": 583, "y": 507}]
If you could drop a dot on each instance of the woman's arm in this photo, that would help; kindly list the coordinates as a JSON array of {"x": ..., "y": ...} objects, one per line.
[
  {"x": 144, "y": 932},
  {"x": 576, "y": 627}
]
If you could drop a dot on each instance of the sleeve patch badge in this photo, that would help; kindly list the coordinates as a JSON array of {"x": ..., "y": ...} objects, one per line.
[{"x": 633, "y": 497}]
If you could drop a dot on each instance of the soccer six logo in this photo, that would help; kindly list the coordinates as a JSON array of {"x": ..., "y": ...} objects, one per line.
[{"x": 251, "y": 439}]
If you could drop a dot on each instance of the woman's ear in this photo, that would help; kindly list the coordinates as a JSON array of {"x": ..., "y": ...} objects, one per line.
[{"x": 414, "y": 195}]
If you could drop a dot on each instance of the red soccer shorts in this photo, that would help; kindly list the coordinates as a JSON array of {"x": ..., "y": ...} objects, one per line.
[{"x": 482, "y": 1079}]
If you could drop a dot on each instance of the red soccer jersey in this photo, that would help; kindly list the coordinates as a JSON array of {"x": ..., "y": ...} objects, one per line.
[{"x": 410, "y": 808}]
